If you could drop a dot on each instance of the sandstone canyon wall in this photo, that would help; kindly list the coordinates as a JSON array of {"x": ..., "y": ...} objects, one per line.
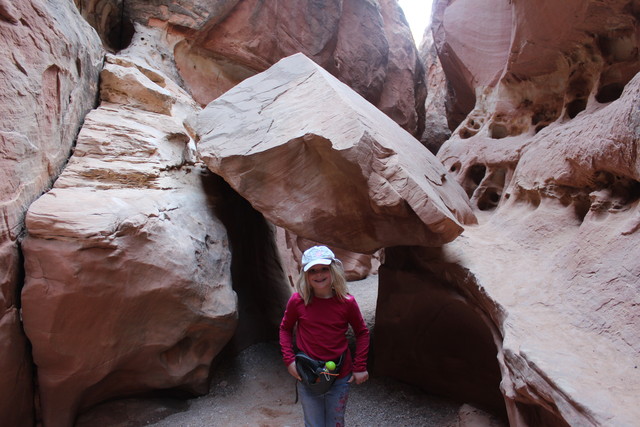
[
  {"x": 543, "y": 100},
  {"x": 510, "y": 271},
  {"x": 129, "y": 224},
  {"x": 137, "y": 265},
  {"x": 49, "y": 70},
  {"x": 216, "y": 44}
]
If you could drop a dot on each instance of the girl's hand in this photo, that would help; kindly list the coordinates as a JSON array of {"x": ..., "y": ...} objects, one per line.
[
  {"x": 359, "y": 377},
  {"x": 293, "y": 371}
]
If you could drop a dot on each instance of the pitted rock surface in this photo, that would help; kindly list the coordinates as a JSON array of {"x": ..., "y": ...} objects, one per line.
[{"x": 546, "y": 153}]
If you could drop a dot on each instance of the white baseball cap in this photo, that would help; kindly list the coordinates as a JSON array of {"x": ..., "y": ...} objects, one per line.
[{"x": 317, "y": 255}]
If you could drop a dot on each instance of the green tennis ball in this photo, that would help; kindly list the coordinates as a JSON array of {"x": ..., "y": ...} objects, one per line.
[{"x": 330, "y": 365}]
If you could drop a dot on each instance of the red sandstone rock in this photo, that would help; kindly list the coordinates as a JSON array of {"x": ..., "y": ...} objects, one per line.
[
  {"x": 528, "y": 66},
  {"x": 317, "y": 159},
  {"x": 440, "y": 340},
  {"x": 50, "y": 62},
  {"x": 547, "y": 157},
  {"x": 365, "y": 44},
  {"x": 436, "y": 128},
  {"x": 127, "y": 285},
  {"x": 403, "y": 102},
  {"x": 544, "y": 153}
]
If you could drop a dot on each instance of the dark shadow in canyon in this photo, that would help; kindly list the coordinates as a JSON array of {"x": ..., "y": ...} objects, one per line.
[{"x": 431, "y": 335}]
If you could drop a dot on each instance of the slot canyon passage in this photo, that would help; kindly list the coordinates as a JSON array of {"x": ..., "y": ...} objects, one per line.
[{"x": 164, "y": 164}]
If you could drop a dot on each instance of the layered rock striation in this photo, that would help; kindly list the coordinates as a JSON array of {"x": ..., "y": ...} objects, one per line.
[
  {"x": 127, "y": 267},
  {"x": 48, "y": 82}
]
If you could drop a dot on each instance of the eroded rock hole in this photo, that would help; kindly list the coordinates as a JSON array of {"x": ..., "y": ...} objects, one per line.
[
  {"x": 531, "y": 197},
  {"x": 575, "y": 107},
  {"x": 581, "y": 207},
  {"x": 489, "y": 195},
  {"x": 466, "y": 133},
  {"x": 538, "y": 128},
  {"x": 609, "y": 93},
  {"x": 578, "y": 91},
  {"x": 498, "y": 131},
  {"x": 475, "y": 175},
  {"x": 619, "y": 191},
  {"x": 454, "y": 167},
  {"x": 545, "y": 114},
  {"x": 470, "y": 128},
  {"x": 489, "y": 201},
  {"x": 632, "y": 190},
  {"x": 620, "y": 47},
  {"x": 119, "y": 33}
]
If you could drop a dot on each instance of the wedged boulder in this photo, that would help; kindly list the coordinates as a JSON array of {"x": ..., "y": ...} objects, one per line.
[
  {"x": 127, "y": 268},
  {"x": 317, "y": 159},
  {"x": 50, "y": 64}
]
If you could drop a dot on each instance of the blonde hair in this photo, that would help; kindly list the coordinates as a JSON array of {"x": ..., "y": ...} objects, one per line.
[{"x": 338, "y": 283}]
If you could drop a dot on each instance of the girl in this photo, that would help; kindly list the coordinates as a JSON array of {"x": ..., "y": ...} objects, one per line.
[{"x": 323, "y": 310}]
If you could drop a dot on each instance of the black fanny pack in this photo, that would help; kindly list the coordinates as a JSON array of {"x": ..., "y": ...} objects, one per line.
[{"x": 314, "y": 373}]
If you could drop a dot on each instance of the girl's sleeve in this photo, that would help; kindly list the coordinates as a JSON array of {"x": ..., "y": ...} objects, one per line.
[
  {"x": 361, "y": 333},
  {"x": 286, "y": 331}
]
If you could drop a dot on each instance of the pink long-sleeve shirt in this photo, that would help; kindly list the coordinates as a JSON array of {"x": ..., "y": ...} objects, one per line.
[{"x": 321, "y": 331}]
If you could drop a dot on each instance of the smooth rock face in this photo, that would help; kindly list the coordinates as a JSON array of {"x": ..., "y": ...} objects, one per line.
[
  {"x": 128, "y": 281},
  {"x": 322, "y": 162},
  {"x": 50, "y": 64},
  {"x": 399, "y": 100}
]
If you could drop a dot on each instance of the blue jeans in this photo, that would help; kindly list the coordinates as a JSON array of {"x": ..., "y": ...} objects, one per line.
[{"x": 325, "y": 410}]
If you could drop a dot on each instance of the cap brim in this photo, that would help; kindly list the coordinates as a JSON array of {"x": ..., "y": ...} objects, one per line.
[{"x": 321, "y": 261}]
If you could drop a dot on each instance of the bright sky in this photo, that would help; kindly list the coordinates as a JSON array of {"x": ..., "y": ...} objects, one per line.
[{"x": 418, "y": 14}]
